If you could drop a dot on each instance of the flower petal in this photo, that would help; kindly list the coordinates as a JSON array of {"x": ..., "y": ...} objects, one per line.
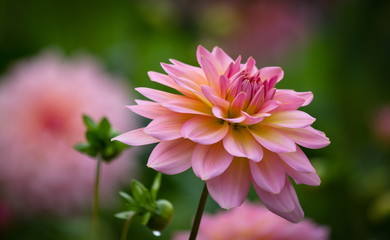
[
  {"x": 148, "y": 109},
  {"x": 136, "y": 137},
  {"x": 268, "y": 73},
  {"x": 209, "y": 161},
  {"x": 188, "y": 105},
  {"x": 308, "y": 137},
  {"x": 290, "y": 119},
  {"x": 311, "y": 179},
  {"x": 291, "y": 100},
  {"x": 298, "y": 161},
  {"x": 222, "y": 114},
  {"x": 272, "y": 139},
  {"x": 237, "y": 105},
  {"x": 157, "y": 95},
  {"x": 222, "y": 58},
  {"x": 205, "y": 130},
  {"x": 231, "y": 187},
  {"x": 269, "y": 173},
  {"x": 182, "y": 70},
  {"x": 239, "y": 142},
  {"x": 172, "y": 157},
  {"x": 167, "y": 127},
  {"x": 211, "y": 95},
  {"x": 165, "y": 80},
  {"x": 284, "y": 204}
]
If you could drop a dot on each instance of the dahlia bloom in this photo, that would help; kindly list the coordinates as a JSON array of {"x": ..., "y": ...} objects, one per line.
[
  {"x": 41, "y": 104},
  {"x": 233, "y": 127},
  {"x": 253, "y": 222}
]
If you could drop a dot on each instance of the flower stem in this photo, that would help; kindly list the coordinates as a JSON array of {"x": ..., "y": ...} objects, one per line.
[
  {"x": 125, "y": 228},
  {"x": 199, "y": 213},
  {"x": 95, "y": 214}
]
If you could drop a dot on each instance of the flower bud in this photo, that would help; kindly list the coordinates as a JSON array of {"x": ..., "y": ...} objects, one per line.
[{"x": 162, "y": 215}]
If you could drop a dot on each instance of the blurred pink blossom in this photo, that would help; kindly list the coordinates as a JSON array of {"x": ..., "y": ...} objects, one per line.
[
  {"x": 254, "y": 222},
  {"x": 233, "y": 127},
  {"x": 41, "y": 103},
  {"x": 381, "y": 126}
]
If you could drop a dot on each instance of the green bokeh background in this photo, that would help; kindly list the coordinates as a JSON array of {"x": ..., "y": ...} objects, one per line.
[{"x": 343, "y": 58}]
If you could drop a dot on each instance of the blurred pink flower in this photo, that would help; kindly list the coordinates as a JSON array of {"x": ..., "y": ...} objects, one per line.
[
  {"x": 254, "y": 222},
  {"x": 381, "y": 124},
  {"x": 233, "y": 127},
  {"x": 41, "y": 103}
]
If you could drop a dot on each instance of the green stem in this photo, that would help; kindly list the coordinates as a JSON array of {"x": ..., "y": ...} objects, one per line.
[
  {"x": 199, "y": 213},
  {"x": 95, "y": 214},
  {"x": 125, "y": 228}
]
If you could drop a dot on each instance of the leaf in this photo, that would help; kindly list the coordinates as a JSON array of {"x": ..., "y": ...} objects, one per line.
[
  {"x": 127, "y": 197},
  {"x": 88, "y": 122},
  {"x": 145, "y": 218},
  {"x": 104, "y": 127},
  {"x": 155, "y": 186},
  {"x": 125, "y": 215},
  {"x": 141, "y": 194}
]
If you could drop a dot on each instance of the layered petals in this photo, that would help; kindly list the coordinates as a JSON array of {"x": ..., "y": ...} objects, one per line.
[
  {"x": 298, "y": 161},
  {"x": 148, "y": 109},
  {"x": 240, "y": 143},
  {"x": 205, "y": 130},
  {"x": 167, "y": 127},
  {"x": 308, "y": 137},
  {"x": 284, "y": 204},
  {"x": 230, "y": 188},
  {"x": 136, "y": 137},
  {"x": 272, "y": 139},
  {"x": 269, "y": 174},
  {"x": 209, "y": 161},
  {"x": 290, "y": 119},
  {"x": 172, "y": 157}
]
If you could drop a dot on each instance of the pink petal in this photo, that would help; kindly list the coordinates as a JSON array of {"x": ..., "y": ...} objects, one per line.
[
  {"x": 211, "y": 73},
  {"x": 237, "y": 105},
  {"x": 254, "y": 119},
  {"x": 167, "y": 127},
  {"x": 231, "y": 187},
  {"x": 269, "y": 174},
  {"x": 148, "y": 109},
  {"x": 308, "y": 96},
  {"x": 311, "y": 179},
  {"x": 284, "y": 204},
  {"x": 290, "y": 119},
  {"x": 308, "y": 137},
  {"x": 268, "y": 73},
  {"x": 182, "y": 70},
  {"x": 212, "y": 96},
  {"x": 298, "y": 161},
  {"x": 157, "y": 95},
  {"x": 289, "y": 100},
  {"x": 223, "y": 59},
  {"x": 209, "y": 161},
  {"x": 188, "y": 105},
  {"x": 163, "y": 79},
  {"x": 205, "y": 130},
  {"x": 239, "y": 142},
  {"x": 172, "y": 157},
  {"x": 136, "y": 137},
  {"x": 222, "y": 114},
  {"x": 272, "y": 139}
]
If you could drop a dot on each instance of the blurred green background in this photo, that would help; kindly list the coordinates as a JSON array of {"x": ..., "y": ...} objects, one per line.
[{"x": 340, "y": 50}]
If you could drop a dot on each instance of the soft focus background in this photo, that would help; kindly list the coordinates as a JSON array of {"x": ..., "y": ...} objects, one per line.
[{"x": 340, "y": 50}]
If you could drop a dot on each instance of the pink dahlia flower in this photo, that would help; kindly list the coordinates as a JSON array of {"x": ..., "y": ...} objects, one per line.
[
  {"x": 233, "y": 127},
  {"x": 254, "y": 222},
  {"x": 41, "y": 103}
]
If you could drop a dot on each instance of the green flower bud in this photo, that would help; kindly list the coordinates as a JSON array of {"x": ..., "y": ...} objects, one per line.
[{"x": 162, "y": 215}]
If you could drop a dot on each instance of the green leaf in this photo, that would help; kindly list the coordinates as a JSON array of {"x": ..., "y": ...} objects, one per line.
[
  {"x": 85, "y": 148},
  {"x": 141, "y": 193},
  {"x": 155, "y": 186},
  {"x": 88, "y": 122},
  {"x": 145, "y": 218},
  {"x": 104, "y": 127},
  {"x": 125, "y": 215},
  {"x": 127, "y": 197}
]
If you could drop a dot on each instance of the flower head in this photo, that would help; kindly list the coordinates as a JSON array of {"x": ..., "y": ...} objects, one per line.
[
  {"x": 41, "y": 105},
  {"x": 233, "y": 127},
  {"x": 254, "y": 222}
]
